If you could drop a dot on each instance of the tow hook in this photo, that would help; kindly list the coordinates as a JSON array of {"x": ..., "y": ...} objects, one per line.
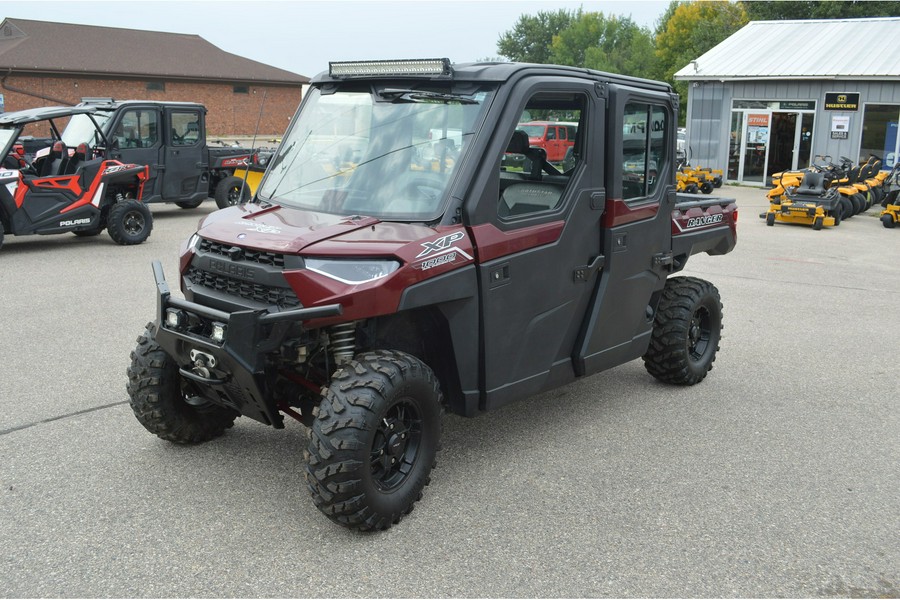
[{"x": 203, "y": 362}]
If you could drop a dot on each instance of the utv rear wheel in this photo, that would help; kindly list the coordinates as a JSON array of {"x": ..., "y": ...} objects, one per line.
[
  {"x": 130, "y": 222},
  {"x": 165, "y": 403},
  {"x": 230, "y": 191},
  {"x": 686, "y": 331},
  {"x": 374, "y": 441}
]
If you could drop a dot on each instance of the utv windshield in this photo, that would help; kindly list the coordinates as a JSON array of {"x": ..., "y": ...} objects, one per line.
[
  {"x": 385, "y": 152},
  {"x": 81, "y": 130},
  {"x": 6, "y": 138}
]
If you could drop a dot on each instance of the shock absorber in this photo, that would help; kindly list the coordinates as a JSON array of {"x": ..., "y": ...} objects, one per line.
[{"x": 343, "y": 342}]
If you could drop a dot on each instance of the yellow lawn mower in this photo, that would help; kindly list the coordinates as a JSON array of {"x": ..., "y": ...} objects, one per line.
[
  {"x": 808, "y": 203},
  {"x": 890, "y": 216}
]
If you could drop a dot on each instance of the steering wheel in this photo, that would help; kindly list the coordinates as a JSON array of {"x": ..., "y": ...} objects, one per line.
[{"x": 424, "y": 185}]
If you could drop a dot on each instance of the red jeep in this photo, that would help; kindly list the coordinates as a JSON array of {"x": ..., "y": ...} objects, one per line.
[
  {"x": 554, "y": 137},
  {"x": 374, "y": 282}
]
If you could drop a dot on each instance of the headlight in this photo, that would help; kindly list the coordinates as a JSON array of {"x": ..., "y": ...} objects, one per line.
[
  {"x": 352, "y": 271},
  {"x": 194, "y": 243}
]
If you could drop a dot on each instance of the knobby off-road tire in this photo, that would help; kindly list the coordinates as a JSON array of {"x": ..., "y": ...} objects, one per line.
[
  {"x": 230, "y": 191},
  {"x": 129, "y": 223},
  {"x": 374, "y": 440},
  {"x": 686, "y": 331},
  {"x": 163, "y": 401}
]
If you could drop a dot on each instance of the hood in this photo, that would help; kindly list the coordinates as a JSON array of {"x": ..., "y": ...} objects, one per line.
[{"x": 293, "y": 231}]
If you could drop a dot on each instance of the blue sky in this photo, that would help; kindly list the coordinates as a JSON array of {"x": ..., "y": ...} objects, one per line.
[{"x": 303, "y": 36}]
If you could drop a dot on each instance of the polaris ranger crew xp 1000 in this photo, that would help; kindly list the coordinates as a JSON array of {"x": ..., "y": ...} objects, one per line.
[{"x": 393, "y": 264}]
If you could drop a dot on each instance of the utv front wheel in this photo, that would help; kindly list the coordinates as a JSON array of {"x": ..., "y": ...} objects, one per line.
[
  {"x": 686, "y": 331},
  {"x": 130, "y": 222},
  {"x": 167, "y": 404},
  {"x": 374, "y": 441}
]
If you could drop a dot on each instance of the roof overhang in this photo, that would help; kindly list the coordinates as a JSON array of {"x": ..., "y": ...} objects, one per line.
[{"x": 722, "y": 78}]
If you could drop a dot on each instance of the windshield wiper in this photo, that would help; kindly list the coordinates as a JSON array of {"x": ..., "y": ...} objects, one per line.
[{"x": 416, "y": 95}]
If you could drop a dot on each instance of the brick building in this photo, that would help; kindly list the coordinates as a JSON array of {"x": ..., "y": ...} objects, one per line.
[{"x": 44, "y": 64}]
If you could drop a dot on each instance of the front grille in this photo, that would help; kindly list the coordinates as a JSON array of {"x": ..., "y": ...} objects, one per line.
[
  {"x": 282, "y": 297},
  {"x": 259, "y": 257}
]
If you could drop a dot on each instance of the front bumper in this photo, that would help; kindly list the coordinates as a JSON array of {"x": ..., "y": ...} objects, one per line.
[{"x": 230, "y": 373}]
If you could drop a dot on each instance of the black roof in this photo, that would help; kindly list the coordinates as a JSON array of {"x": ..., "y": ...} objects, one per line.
[{"x": 503, "y": 71}]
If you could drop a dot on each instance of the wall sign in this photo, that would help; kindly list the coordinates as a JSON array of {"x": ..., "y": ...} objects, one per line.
[
  {"x": 844, "y": 101},
  {"x": 797, "y": 105},
  {"x": 840, "y": 127}
]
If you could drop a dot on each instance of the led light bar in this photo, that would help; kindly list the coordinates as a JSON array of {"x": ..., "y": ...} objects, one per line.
[{"x": 369, "y": 68}]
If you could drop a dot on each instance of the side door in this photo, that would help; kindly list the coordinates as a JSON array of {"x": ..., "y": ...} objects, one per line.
[
  {"x": 538, "y": 244},
  {"x": 636, "y": 229},
  {"x": 185, "y": 178},
  {"x": 136, "y": 138}
]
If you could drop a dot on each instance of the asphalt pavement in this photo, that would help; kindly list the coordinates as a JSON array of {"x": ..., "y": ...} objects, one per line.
[{"x": 779, "y": 475}]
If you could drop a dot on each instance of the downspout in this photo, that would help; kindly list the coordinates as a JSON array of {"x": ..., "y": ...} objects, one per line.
[{"x": 32, "y": 94}]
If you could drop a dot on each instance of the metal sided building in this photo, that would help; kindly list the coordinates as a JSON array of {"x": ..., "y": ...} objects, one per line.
[{"x": 777, "y": 93}]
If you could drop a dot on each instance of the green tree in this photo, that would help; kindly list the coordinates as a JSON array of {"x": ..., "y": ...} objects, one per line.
[
  {"x": 532, "y": 37},
  {"x": 691, "y": 29},
  {"x": 812, "y": 9},
  {"x": 614, "y": 44}
]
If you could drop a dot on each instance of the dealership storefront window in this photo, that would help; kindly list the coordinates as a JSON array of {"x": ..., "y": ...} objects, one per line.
[
  {"x": 769, "y": 136},
  {"x": 879, "y": 134}
]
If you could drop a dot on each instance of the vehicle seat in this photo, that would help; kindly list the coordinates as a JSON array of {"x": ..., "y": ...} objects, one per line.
[
  {"x": 53, "y": 162},
  {"x": 865, "y": 172},
  {"x": 813, "y": 184},
  {"x": 80, "y": 155},
  {"x": 518, "y": 144}
]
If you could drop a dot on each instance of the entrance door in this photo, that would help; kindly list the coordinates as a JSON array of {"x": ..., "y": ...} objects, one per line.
[
  {"x": 756, "y": 140},
  {"x": 784, "y": 142}
]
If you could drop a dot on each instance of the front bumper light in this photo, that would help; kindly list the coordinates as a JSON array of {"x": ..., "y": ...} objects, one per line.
[
  {"x": 350, "y": 271},
  {"x": 218, "y": 333}
]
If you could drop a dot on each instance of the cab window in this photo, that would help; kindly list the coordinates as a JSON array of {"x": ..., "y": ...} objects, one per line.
[
  {"x": 534, "y": 175},
  {"x": 137, "y": 129},
  {"x": 645, "y": 130},
  {"x": 185, "y": 127}
]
